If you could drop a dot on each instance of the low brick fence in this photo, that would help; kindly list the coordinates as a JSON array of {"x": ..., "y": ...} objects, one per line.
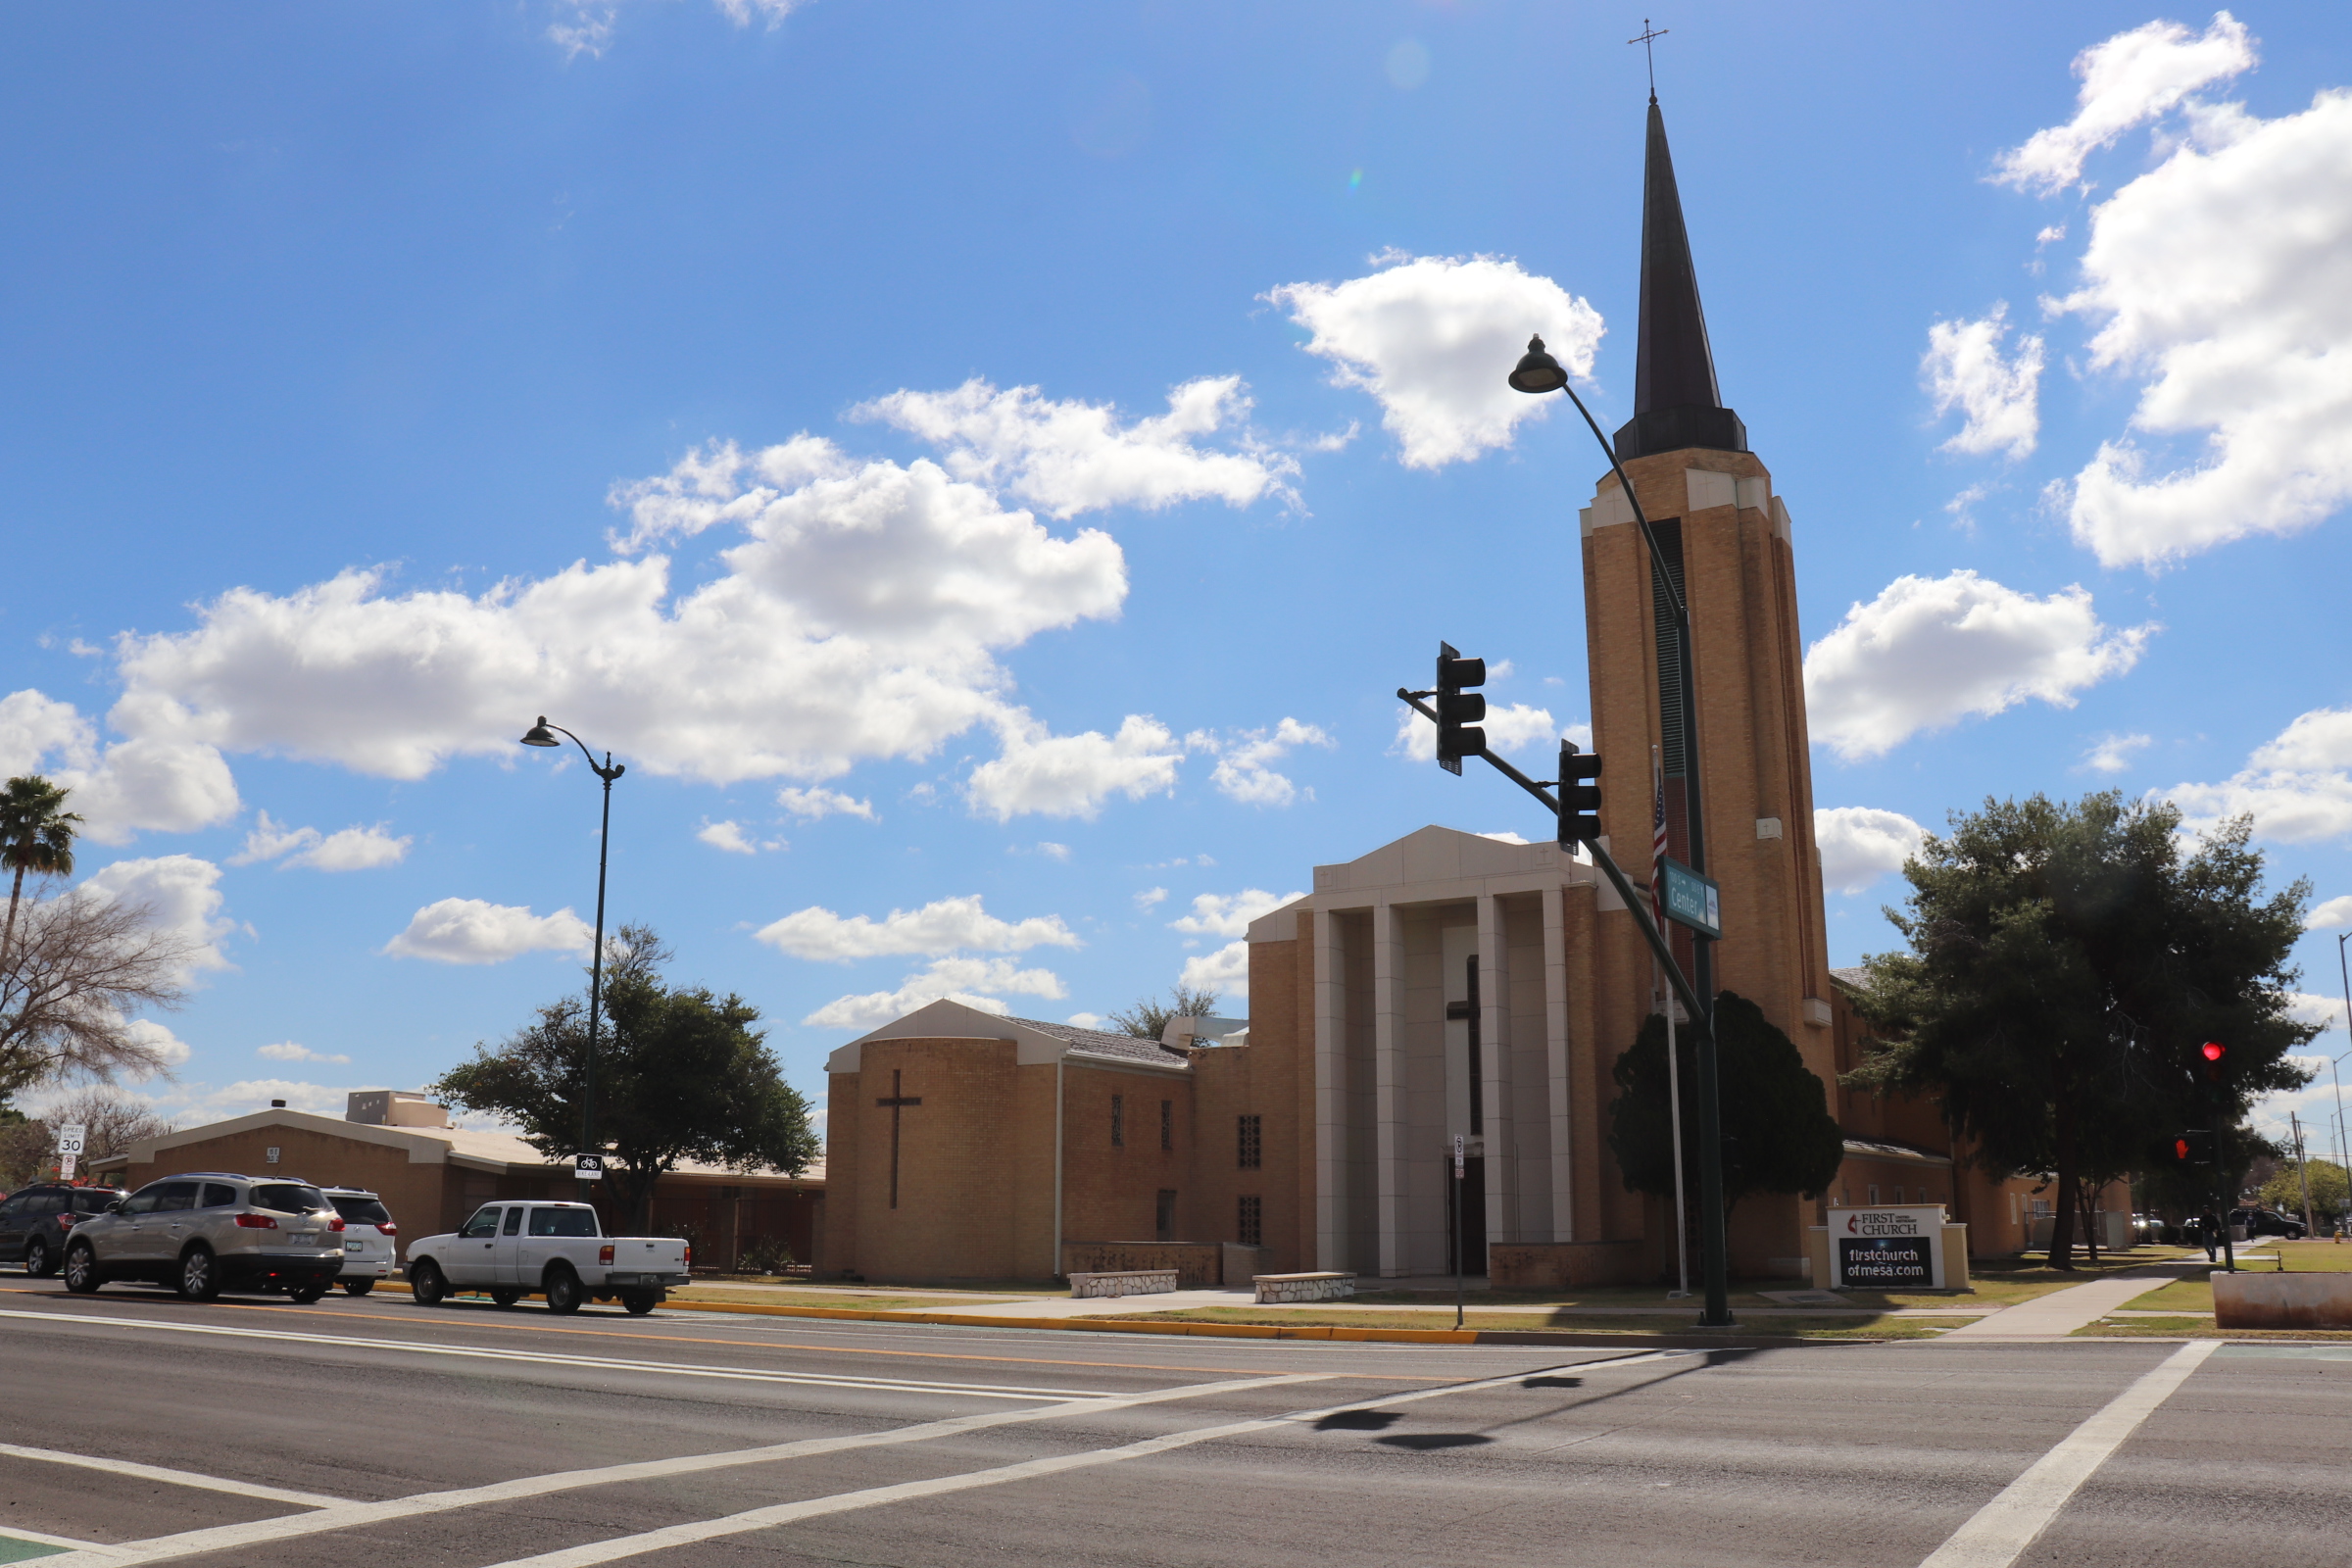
[
  {"x": 1131, "y": 1282},
  {"x": 1198, "y": 1265},
  {"x": 1304, "y": 1287}
]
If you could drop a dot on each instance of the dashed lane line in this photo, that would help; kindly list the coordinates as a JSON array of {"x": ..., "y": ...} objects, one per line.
[
  {"x": 1999, "y": 1533},
  {"x": 347, "y": 1516},
  {"x": 597, "y": 1363},
  {"x": 176, "y": 1478},
  {"x": 687, "y": 1535}
]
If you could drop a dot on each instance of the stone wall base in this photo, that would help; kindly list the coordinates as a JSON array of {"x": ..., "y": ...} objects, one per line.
[
  {"x": 1304, "y": 1287},
  {"x": 1198, "y": 1265},
  {"x": 1134, "y": 1282}
]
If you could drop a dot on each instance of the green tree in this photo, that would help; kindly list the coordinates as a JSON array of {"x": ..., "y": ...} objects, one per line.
[
  {"x": 1149, "y": 1018},
  {"x": 1778, "y": 1134},
  {"x": 36, "y": 835},
  {"x": 2330, "y": 1192},
  {"x": 680, "y": 1074},
  {"x": 2066, "y": 964}
]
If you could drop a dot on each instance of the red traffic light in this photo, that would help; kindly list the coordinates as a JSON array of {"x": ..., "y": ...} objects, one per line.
[
  {"x": 2215, "y": 1052},
  {"x": 2181, "y": 1148}
]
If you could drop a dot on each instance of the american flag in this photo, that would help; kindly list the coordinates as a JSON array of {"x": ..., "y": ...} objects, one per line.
[{"x": 1657, "y": 854}]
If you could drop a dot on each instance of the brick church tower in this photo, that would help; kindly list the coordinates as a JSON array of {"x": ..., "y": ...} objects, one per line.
[{"x": 1726, "y": 539}]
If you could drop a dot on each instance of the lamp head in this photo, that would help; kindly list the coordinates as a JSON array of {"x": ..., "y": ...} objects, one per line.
[
  {"x": 1538, "y": 370},
  {"x": 540, "y": 735}
]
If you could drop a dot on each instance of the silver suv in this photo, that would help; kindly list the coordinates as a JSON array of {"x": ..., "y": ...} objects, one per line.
[{"x": 204, "y": 1231}]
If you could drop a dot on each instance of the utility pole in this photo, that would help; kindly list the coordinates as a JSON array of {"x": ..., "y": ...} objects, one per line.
[{"x": 2303, "y": 1174}]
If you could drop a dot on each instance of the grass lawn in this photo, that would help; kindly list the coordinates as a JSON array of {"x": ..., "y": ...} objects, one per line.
[{"x": 1825, "y": 1327}]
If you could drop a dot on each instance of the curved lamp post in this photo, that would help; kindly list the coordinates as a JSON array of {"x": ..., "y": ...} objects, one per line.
[
  {"x": 543, "y": 734},
  {"x": 1538, "y": 372}
]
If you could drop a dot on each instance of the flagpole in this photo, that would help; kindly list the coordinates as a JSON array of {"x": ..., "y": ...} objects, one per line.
[{"x": 1674, "y": 1079}]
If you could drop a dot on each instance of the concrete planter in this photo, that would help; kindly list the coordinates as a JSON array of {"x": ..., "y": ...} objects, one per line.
[{"x": 2283, "y": 1301}]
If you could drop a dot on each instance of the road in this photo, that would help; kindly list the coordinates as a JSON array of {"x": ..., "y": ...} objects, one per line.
[{"x": 378, "y": 1432}]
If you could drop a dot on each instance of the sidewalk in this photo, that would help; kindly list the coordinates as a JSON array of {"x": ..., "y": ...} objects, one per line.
[{"x": 2058, "y": 1314}]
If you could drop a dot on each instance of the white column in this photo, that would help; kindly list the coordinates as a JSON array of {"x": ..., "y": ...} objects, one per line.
[
  {"x": 1331, "y": 1093},
  {"x": 1555, "y": 1050},
  {"x": 1495, "y": 1068},
  {"x": 1387, "y": 1052}
]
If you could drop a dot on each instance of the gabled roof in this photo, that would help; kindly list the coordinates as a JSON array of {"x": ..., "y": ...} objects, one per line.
[
  {"x": 1034, "y": 1040},
  {"x": 1435, "y": 854}
]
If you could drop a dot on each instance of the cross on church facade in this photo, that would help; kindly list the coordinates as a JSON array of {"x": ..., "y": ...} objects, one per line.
[{"x": 897, "y": 1102}]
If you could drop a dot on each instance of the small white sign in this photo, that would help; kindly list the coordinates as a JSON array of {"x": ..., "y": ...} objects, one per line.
[
  {"x": 588, "y": 1167},
  {"x": 269, "y": 1155},
  {"x": 1887, "y": 1249},
  {"x": 65, "y": 1167},
  {"x": 70, "y": 1138}
]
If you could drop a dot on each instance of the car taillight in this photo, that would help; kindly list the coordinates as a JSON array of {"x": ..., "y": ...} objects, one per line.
[
  {"x": 604, "y": 1254},
  {"x": 690, "y": 1255},
  {"x": 256, "y": 1222},
  {"x": 65, "y": 1221},
  {"x": 335, "y": 1224},
  {"x": 388, "y": 1228}
]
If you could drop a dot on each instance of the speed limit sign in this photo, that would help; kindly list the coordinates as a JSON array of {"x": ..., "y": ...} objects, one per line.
[{"x": 70, "y": 1140}]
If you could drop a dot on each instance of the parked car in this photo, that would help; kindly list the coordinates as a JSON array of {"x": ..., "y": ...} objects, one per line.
[
  {"x": 34, "y": 1223},
  {"x": 204, "y": 1232},
  {"x": 511, "y": 1248},
  {"x": 2267, "y": 1222},
  {"x": 2146, "y": 1228},
  {"x": 368, "y": 1238}
]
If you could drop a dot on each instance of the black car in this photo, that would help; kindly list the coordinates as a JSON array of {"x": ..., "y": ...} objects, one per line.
[
  {"x": 33, "y": 1222},
  {"x": 2265, "y": 1222}
]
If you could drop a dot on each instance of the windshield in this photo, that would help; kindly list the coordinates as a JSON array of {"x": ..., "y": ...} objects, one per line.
[
  {"x": 288, "y": 1198},
  {"x": 563, "y": 1222},
  {"x": 361, "y": 1211}
]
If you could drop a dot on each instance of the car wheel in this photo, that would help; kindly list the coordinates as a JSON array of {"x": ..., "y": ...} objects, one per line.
[
  {"x": 358, "y": 1286},
  {"x": 81, "y": 1269},
  {"x": 427, "y": 1284},
  {"x": 199, "y": 1275},
  {"x": 37, "y": 1262},
  {"x": 305, "y": 1293},
  {"x": 505, "y": 1297},
  {"x": 563, "y": 1293},
  {"x": 639, "y": 1302}
]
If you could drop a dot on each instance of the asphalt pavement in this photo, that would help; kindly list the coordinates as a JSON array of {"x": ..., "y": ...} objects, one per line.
[{"x": 139, "y": 1428}]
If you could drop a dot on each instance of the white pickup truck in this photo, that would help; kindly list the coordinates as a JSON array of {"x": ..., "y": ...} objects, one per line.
[{"x": 513, "y": 1247}]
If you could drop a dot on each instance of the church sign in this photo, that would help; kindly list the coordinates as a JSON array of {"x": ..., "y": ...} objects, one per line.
[
  {"x": 1693, "y": 900},
  {"x": 1887, "y": 1249}
]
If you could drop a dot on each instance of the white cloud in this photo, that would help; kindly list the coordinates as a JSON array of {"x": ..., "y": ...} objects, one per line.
[
  {"x": 1506, "y": 836},
  {"x": 810, "y": 804},
  {"x": 2298, "y": 786},
  {"x": 1227, "y": 915},
  {"x": 2128, "y": 81},
  {"x": 1085, "y": 1020},
  {"x": 1245, "y": 770},
  {"x": 288, "y": 1050},
  {"x": 472, "y": 931},
  {"x": 726, "y": 836},
  {"x": 144, "y": 782},
  {"x": 2112, "y": 754},
  {"x": 1928, "y": 652},
  {"x": 2221, "y": 277},
  {"x": 1076, "y": 457},
  {"x": 2337, "y": 912},
  {"x": 1053, "y": 850},
  {"x": 741, "y": 12},
  {"x": 170, "y": 1050},
  {"x": 1433, "y": 338},
  {"x": 183, "y": 893},
  {"x": 1965, "y": 368},
  {"x": 255, "y": 1094},
  {"x": 975, "y": 982},
  {"x": 1071, "y": 775},
  {"x": 944, "y": 926},
  {"x": 2325, "y": 1011},
  {"x": 1148, "y": 899},
  {"x": 581, "y": 28},
  {"x": 1859, "y": 844},
  {"x": 1510, "y": 728},
  {"x": 352, "y": 849},
  {"x": 1225, "y": 971}
]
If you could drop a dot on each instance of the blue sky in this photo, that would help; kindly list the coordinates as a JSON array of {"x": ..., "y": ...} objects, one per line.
[{"x": 985, "y": 468}]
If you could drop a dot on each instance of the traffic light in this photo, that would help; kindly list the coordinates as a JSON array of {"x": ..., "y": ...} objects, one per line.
[
  {"x": 2192, "y": 1148},
  {"x": 1580, "y": 795},
  {"x": 1459, "y": 709}
]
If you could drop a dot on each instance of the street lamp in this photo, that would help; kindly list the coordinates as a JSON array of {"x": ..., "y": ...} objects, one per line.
[
  {"x": 1537, "y": 373},
  {"x": 543, "y": 734}
]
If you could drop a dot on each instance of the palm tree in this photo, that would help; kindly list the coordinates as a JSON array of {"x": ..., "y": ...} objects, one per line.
[{"x": 35, "y": 835}]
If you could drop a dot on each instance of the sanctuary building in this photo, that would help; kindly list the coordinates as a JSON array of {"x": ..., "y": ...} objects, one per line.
[{"x": 1447, "y": 984}]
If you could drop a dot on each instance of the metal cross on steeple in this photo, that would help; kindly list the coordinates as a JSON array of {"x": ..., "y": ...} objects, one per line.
[{"x": 1648, "y": 34}]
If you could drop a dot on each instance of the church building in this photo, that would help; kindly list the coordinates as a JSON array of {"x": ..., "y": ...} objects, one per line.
[{"x": 1445, "y": 986}]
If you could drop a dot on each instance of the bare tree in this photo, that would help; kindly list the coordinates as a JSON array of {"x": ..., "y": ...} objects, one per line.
[
  {"x": 111, "y": 1122},
  {"x": 82, "y": 968}
]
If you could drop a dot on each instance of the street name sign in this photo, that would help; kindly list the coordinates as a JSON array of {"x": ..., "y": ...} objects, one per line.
[
  {"x": 1693, "y": 900},
  {"x": 1887, "y": 1249}
]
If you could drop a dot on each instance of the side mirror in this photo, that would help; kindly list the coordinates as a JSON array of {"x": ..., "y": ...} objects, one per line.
[{"x": 114, "y": 1205}]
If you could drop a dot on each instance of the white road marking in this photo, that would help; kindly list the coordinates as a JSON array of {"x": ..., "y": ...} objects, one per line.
[
  {"x": 347, "y": 1516},
  {"x": 20, "y": 1533},
  {"x": 1998, "y": 1533},
  {"x": 684, "y": 1369},
  {"x": 176, "y": 1478},
  {"x": 687, "y": 1535}
]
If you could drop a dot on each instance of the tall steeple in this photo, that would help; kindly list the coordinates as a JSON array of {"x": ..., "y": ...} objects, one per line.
[{"x": 1676, "y": 402}]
